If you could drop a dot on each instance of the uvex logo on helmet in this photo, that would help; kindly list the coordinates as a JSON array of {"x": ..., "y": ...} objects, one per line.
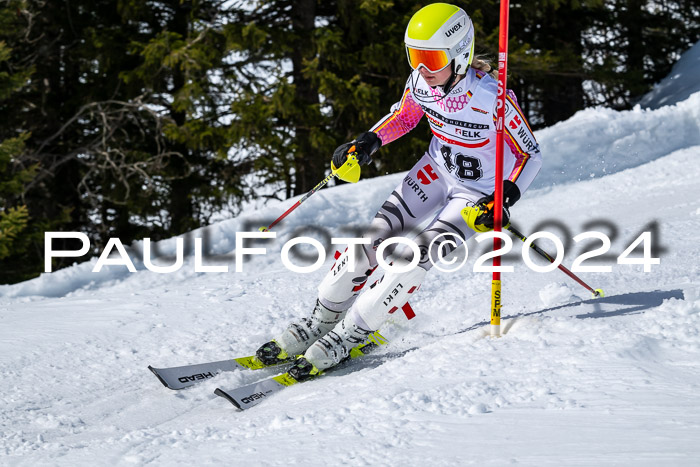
[{"x": 453, "y": 29}]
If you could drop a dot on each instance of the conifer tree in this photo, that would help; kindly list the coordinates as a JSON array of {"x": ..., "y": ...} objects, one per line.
[
  {"x": 16, "y": 227},
  {"x": 132, "y": 119}
]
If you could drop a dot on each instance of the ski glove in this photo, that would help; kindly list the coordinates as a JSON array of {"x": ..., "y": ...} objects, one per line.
[
  {"x": 363, "y": 147},
  {"x": 480, "y": 216}
]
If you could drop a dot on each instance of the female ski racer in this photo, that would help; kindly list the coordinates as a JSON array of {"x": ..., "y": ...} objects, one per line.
[{"x": 457, "y": 95}]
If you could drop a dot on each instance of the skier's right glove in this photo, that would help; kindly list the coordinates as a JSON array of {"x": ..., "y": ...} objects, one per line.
[
  {"x": 479, "y": 217},
  {"x": 362, "y": 148}
]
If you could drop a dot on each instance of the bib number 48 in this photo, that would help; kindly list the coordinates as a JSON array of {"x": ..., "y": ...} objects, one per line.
[
  {"x": 465, "y": 167},
  {"x": 468, "y": 168}
]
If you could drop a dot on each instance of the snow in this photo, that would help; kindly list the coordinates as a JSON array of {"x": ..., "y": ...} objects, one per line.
[
  {"x": 679, "y": 84},
  {"x": 600, "y": 141},
  {"x": 573, "y": 380}
]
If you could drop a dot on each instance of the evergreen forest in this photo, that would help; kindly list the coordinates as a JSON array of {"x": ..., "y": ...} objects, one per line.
[{"x": 133, "y": 119}]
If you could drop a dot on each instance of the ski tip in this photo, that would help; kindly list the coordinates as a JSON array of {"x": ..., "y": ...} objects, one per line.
[{"x": 221, "y": 393}]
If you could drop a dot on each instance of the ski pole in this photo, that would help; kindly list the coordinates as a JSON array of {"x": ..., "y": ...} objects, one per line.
[
  {"x": 301, "y": 200},
  {"x": 596, "y": 292},
  {"x": 344, "y": 169}
]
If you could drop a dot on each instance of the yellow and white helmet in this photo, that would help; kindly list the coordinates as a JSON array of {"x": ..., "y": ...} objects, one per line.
[{"x": 438, "y": 34}]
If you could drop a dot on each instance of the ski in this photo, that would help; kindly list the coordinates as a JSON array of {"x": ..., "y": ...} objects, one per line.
[
  {"x": 180, "y": 377},
  {"x": 251, "y": 395}
]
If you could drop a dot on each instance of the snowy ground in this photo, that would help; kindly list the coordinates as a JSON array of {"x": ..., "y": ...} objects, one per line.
[
  {"x": 573, "y": 381},
  {"x": 679, "y": 84}
]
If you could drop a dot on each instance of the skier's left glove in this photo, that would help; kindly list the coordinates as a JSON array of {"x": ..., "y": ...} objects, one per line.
[
  {"x": 480, "y": 216},
  {"x": 362, "y": 148}
]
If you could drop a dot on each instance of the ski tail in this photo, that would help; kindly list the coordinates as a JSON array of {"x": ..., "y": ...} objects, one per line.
[
  {"x": 160, "y": 378},
  {"x": 181, "y": 377},
  {"x": 225, "y": 395},
  {"x": 253, "y": 394}
]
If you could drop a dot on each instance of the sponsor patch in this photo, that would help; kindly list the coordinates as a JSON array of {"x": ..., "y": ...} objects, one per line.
[
  {"x": 198, "y": 376},
  {"x": 450, "y": 121},
  {"x": 434, "y": 121},
  {"x": 453, "y": 29},
  {"x": 252, "y": 397}
]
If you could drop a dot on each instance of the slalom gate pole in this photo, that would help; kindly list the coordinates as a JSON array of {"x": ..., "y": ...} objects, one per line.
[
  {"x": 498, "y": 189},
  {"x": 596, "y": 292},
  {"x": 323, "y": 183}
]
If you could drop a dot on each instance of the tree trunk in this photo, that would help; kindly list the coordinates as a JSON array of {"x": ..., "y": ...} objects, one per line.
[
  {"x": 636, "y": 47},
  {"x": 181, "y": 210},
  {"x": 563, "y": 94},
  {"x": 309, "y": 166}
]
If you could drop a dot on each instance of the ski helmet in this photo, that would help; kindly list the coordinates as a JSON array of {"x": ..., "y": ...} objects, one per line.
[{"x": 438, "y": 34}]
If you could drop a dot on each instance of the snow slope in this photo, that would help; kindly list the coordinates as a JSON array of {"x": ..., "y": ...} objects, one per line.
[
  {"x": 679, "y": 84},
  {"x": 573, "y": 381}
]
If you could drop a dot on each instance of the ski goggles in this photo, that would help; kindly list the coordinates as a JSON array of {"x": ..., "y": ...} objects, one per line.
[{"x": 434, "y": 60}]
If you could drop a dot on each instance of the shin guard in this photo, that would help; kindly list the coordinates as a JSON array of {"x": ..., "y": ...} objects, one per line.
[{"x": 386, "y": 296}]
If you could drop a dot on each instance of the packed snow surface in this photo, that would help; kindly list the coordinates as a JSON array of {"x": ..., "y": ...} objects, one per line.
[{"x": 573, "y": 380}]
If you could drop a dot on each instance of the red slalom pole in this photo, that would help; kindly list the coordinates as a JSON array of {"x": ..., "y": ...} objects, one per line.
[{"x": 498, "y": 190}]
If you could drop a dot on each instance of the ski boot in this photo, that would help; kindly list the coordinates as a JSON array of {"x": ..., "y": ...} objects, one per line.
[
  {"x": 335, "y": 346},
  {"x": 299, "y": 336}
]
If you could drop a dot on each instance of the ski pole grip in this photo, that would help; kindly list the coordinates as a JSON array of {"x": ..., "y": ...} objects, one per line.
[{"x": 350, "y": 170}]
